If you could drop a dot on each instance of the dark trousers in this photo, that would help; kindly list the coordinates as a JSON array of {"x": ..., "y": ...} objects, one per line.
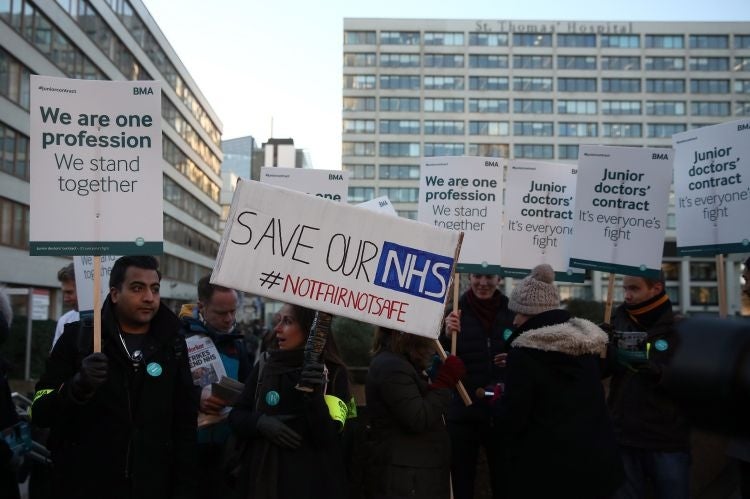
[
  {"x": 213, "y": 481},
  {"x": 668, "y": 472},
  {"x": 466, "y": 439}
]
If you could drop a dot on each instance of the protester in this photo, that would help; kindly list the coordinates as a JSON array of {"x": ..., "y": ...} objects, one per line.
[
  {"x": 652, "y": 432},
  {"x": 67, "y": 278},
  {"x": 123, "y": 420},
  {"x": 409, "y": 445},
  {"x": 481, "y": 324},
  {"x": 559, "y": 436},
  {"x": 293, "y": 438},
  {"x": 212, "y": 321},
  {"x": 8, "y": 415}
]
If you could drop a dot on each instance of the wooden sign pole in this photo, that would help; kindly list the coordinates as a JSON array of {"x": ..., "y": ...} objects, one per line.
[
  {"x": 97, "y": 303},
  {"x": 610, "y": 298},
  {"x": 722, "y": 286}
]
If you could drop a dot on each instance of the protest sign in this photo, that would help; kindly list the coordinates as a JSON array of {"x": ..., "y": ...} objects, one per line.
[
  {"x": 712, "y": 189},
  {"x": 84, "y": 271},
  {"x": 336, "y": 258},
  {"x": 205, "y": 362},
  {"x": 381, "y": 204},
  {"x": 538, "y": 228},
  {"x": 95, "y": 167},
  {"x": 464, "y": 193},
  {"x": 622, "y": 195},
  {"x": 327, "y": 184}
]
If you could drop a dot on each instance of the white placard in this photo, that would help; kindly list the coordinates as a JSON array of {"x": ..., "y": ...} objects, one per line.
[
  {"x": 381, "y": 204},
  {"x": 40, "y": 305},
  {"x": 538, "y": 221},
  {"x": 712, "y": 189},
  {"x": 622, "y": 195},
  {"x": 84, "y": 271},
  {"x": 336, "y": 258},
  {"x": 327, "y": 184},
  {"x": 464, "y": 193},
  {"x": 96, "y": 166}
]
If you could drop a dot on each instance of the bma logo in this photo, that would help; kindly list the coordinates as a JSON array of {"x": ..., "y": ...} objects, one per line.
[
  {"x": 143, "y": 91},
  {"x": 413, "y": 271},
  {"x": 491, "y": 163},
  {"x": 659, "y": 155},
  {"x": 743, "y": 126},
  {"x": 335, "y": 176}
]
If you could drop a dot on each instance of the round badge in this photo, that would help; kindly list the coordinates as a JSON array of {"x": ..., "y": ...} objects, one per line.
[
  {"x": 153, "y": 369},
  {"x": 272, "y": 398},
  {"x": 507, "y": 334},
  {"x": 139, "y": 241},
  {"x": 661, "y": 345}
]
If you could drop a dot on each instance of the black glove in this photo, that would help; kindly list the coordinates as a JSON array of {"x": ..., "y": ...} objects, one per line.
[
  {"x": 92, "y": 375},
  {"x": 606, "y": 327},
  {"x": 313, "y": 374},
  {"x": 277, "y": 432}
]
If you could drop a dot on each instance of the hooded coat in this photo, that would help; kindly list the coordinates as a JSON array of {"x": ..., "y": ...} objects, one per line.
[{"x": 553, "y": 411}]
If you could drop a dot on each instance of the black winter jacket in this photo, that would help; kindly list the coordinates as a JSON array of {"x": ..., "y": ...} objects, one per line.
[
  {"x": 409, "y": 447},
  {"x": 135, "y": 438}
]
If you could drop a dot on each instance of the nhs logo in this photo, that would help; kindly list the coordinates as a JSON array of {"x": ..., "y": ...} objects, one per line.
[{"x": 413, "y": 271}]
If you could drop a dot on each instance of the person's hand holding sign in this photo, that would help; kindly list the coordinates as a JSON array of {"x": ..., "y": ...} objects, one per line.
[{"x": 453, "y": 323}]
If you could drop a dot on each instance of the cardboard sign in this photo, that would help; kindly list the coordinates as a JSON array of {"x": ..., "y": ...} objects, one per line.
[
  {"x": 622, "y": 195},
  {"x": 95, "y": 167},
  {"x": 84, "y": 270},
  {"x": 464, "y": 193},
  {"x": 381, "y": 204},
  {"x": 327, "y": 184},
  {"x": 336, "y": 258},
  {"x": 712, "y": 189},
  {"x": 538, "y": 228}
]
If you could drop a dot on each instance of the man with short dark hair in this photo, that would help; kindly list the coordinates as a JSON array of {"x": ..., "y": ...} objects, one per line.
[
  {"x": 652, "y": 432},
  {"x": 122, "y": 420},
  {"x": 67, "y": 278}
]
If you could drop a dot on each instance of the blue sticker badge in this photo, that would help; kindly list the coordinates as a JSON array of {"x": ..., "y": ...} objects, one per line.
[
  {"x": 154, "y": 369},
  {"x": 272, "y": 398},
  {"x": 507, "y": 334},
  {"x": 661, "y": 345}
]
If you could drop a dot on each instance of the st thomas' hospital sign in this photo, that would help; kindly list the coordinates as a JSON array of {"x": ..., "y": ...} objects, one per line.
[{"x": 554, "y": 27}]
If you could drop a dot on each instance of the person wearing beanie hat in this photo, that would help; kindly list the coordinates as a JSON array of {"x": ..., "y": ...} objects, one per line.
[{"x": 559, "y": 437}]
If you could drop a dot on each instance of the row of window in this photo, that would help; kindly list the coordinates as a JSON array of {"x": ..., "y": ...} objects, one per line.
[
  {"x": 172, "y": 116},
  {"x": 188, "y": 203},
  {"x": 179, "y": 269},
  {"x": 496, "y": 61},
  {"x": 14, "y": 152},
  {"x": 183, "y": 235},
  {"x": 174, "y": 156},
  {"x": 547, "y": 84},
  {"x": 485, "y": 39}
]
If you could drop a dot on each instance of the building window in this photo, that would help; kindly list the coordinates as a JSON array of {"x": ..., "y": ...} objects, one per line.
[
  {"x": 576, "y": 62},
  {"x": 665, "y": 86},
  {"x": 14, "y": 224},
  {"x": 665, "y": 108},
  {"x": 488, "y": 61},
  {"x": 14, "y": 153},
  {"x": 533, "y": 151},
  {"x": 620, "y": 107},
  {"x": 488, "y": 83},
  {"x": 443, "y": 82},
  {"x": 443, "y": 38},
  {"x": 742, "y": 86},
  {"x": 399, "y": 60},
  {"x": 360, "y": 172},
  {"x": 359, "y": 103},
  {"x": 359, "y": 59},
  {"x": 664, "y": 130},
  {"x": 621, "y": 130},
  {"x": 173, "y": 155},
  {"x": 665, "y": 42},
  {"x": 401, "y": 104},
  {"x": 621, "y": 63},
  {"x": 665, "y": 63},
  {"x": 398, "y": 172},
  {"x": 532, "y": 61},
  {"x": 488, "y": 128},
  {"x": 621, "y": 85},
  {"x": 576, "y": 40},
  {"x": 438, "y": 149},
  {"x": 443, "y": 127},
  {"x": 176, "y": 120},
  {"x": 704, "y": 295},
  {"x": 708, "y": 108},
  {"x": 359, "y": 82},
  {"x": 576, "y": 107},
  {"x": 488, "y": 105},
  {"x": 742, "y": 41},
  {"x": 741, "y": 64},
  {"x": 443, "y": 60},
  {"x": 567, "y": 151},
  {"x": 361, "y": 194},
  {"x": 621, "y": 41},
  {"x": 359, "y": 38},
  {"x": 410, "y": 214},
  {"x": 709, "y": 86},
  {"x": 702, "y": 271},
  {"x": 14, "y": 80},
  {"x": 489, "y": 150},
  {"x": 530, "y": 84},
  {"x": 188, "y": 203},
  {"x": 709, "y": 64},
  {"x": 399, "y": 37},
  {"x": 400, "y": 194},
  {"x": 358, "y": 148},
  {"x": 742, "y": 108},
  {"x": 444, "y": 105},
  {"x": 399, "y": 82},
  {"x": 576, "y": 84},
  {"x": 395, "y": 149},
  {"x": 532, "y": 40},
  {"x": 533, "y": 106},
  {"x": 488, "y": 39},
  {"x": 709, "y": 41},
  {"x": 179, "y": 269},
  {"x": 400, "y": 127},
  {"x": 533, "y": 128},
  {"x": 576, "y": 129},
  {"x": 358, "y": 126},
  {"x": 191, "y": 239}
]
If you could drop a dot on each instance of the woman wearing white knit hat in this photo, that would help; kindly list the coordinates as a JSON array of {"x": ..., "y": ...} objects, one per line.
[{"x": 560, "y": 439}]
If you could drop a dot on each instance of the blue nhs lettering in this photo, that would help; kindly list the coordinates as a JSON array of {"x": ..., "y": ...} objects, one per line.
[{"x": 413, "y": 271}]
